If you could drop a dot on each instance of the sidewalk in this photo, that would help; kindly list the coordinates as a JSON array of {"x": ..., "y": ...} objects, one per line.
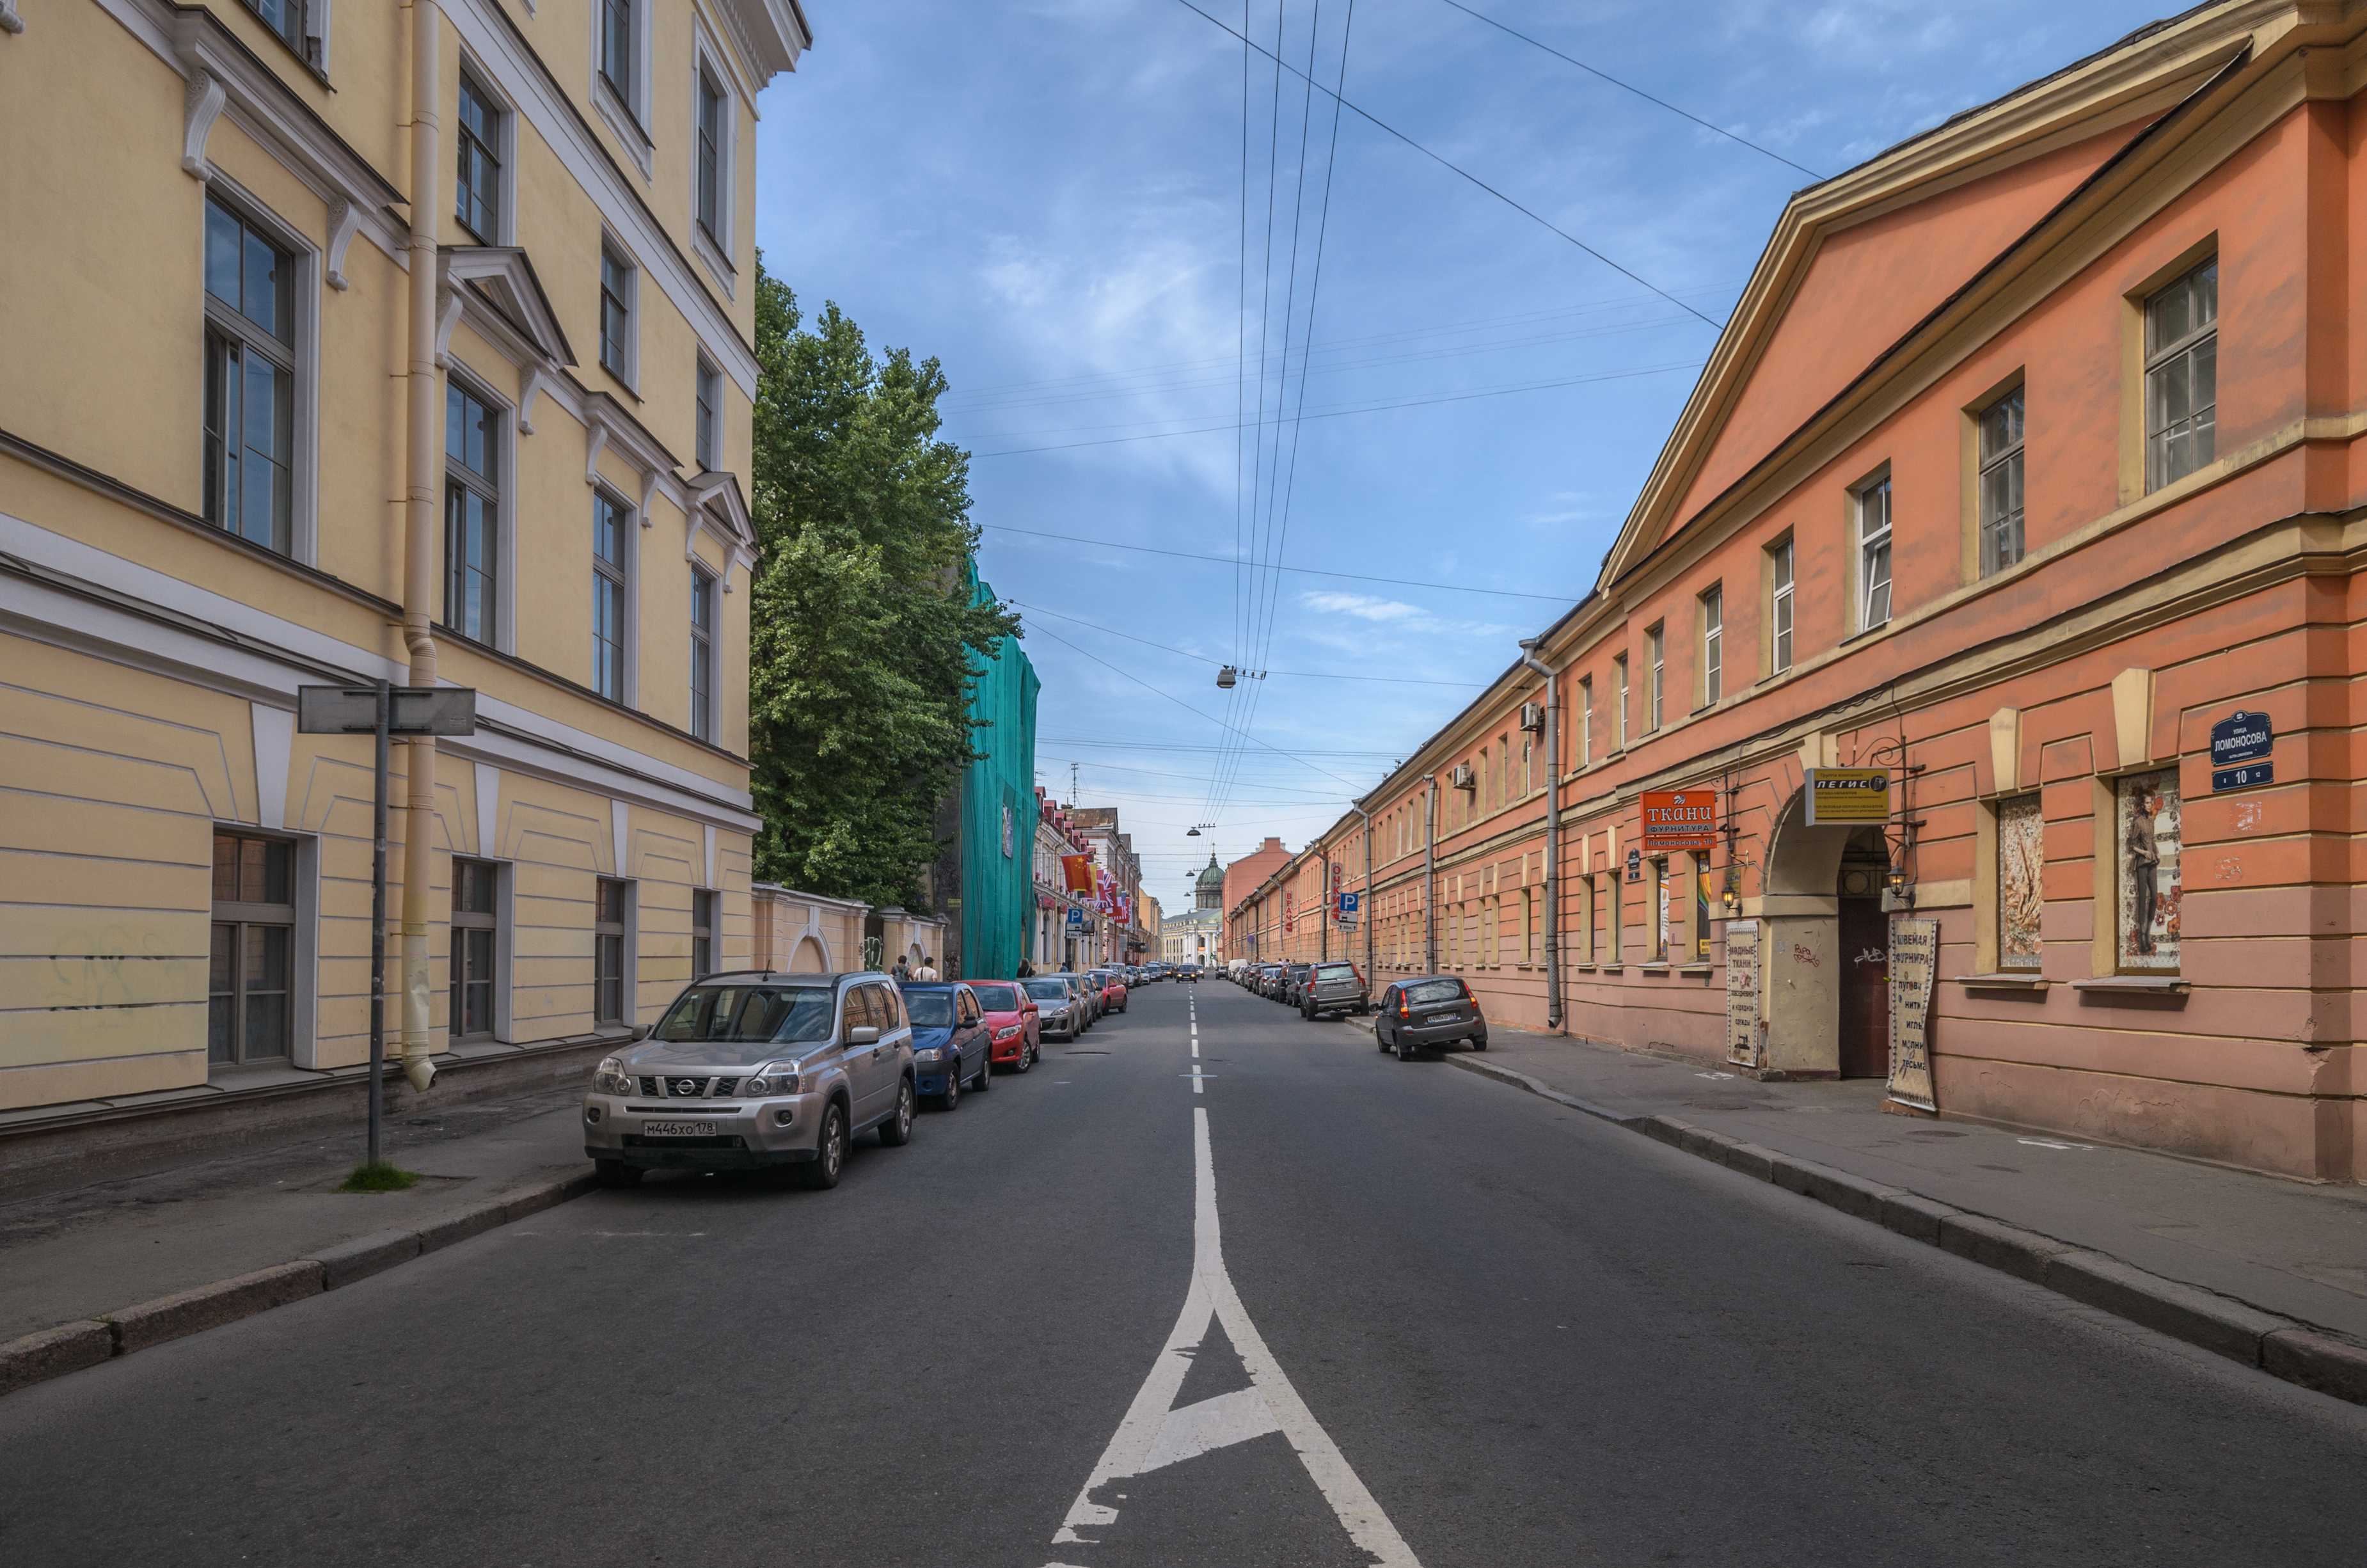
[
  {"x": 96, "y": 1251},
  {"x": 2277, "y": 1246}
]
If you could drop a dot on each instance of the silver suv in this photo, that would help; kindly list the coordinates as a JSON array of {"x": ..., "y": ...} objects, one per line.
[
  {"x": 1331, "y": 988},
  {"x": 755, "y": 1071}
]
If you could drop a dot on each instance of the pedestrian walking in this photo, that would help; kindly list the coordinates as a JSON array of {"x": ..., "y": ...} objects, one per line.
[
  {"x": 927, "y": 971},
  {"x": 1026, "y": 970},
  {"x": 903, "y": 972}
]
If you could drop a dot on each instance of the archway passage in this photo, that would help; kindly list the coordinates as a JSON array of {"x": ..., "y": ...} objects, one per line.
[{"x": 1826, "y": 948}]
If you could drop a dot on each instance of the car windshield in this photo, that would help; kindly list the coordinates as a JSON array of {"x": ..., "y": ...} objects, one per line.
[
  {"x": 1335, "y": 972},
  {"x": 1049, "y": 990},
  {"x": 1435, "y": 991},
  {"x": 997, "y": 998},
  {"x": 930, "y": 1009},
  {"x": 768, "y": 1013}
]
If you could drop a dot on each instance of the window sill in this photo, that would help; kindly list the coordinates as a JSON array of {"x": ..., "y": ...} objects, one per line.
[
  {"x": 622, "y": 121},
  {"x": 710, "y": 252},
  {"x": 1695, "y": 970},
  {"x": 2000, "y": 981},
  {"x": 1651, "y": 969},
  {"x": 1612, "y": 969},
  {"x": 2141, "y": 984}
]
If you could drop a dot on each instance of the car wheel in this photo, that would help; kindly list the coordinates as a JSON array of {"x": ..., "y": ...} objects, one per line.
[
  {"x": 1307, "y": 1012},
  {"x": 1027, "y": 1059},
  {"x": 1479, "y": 1042},
  {"x": 615, "y": 1173},
  {"x": 952, "y": 1096},
  {"x": 1380, "y": 1038},
  {"x": 820, "y": 1172},
  {"x": 896, "y": 1131},
  {"x": 986, "y": 1069},
  {"x": 1405, "y": 1051}
]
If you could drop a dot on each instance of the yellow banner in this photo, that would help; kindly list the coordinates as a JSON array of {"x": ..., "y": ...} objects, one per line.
[{"x": 1847, "y": 795}]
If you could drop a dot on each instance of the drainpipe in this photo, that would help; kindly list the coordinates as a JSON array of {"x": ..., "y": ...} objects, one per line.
[
  {"x": 1553, "y": 831},
  {"x": 419, "y": 532},
  {"x": 1429, "y": 874}
]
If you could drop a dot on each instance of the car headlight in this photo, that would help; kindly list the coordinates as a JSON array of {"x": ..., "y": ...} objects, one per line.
[
  {"x": 610, "y": 1077},
  {"x": 779, "y": 1078},
  {"x": 929, "y": 1054},
  {"x": 1013, "y": 1032}
]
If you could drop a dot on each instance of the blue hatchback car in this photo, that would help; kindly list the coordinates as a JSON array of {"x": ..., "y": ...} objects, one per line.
[{"x": 952, "y": 1047}]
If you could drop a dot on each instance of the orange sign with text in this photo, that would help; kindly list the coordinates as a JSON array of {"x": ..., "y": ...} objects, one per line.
[{"x": 1680, "y": 819}]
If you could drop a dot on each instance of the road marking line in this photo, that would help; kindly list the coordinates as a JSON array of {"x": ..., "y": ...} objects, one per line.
[{"x": 1155, "y": 1434}]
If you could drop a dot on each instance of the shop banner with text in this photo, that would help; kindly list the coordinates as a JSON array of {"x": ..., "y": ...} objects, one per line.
[
  {"x": 1680, "y": 819},
  {"x": 1746, "y": 1036},
  {"x": 1914, "y": 955}
]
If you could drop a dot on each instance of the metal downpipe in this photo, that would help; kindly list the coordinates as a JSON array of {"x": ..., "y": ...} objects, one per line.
[
  {"x": 419, "y": 535},
  {"x": 1553, "y": 832},
  {"x": 1429, "y": 874}
]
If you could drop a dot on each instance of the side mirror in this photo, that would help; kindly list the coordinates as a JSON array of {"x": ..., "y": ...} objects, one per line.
[{"x": 863, "y": 1034}]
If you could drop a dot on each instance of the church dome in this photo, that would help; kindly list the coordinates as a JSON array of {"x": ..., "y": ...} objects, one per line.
[{"x": 1214, "y": 877}]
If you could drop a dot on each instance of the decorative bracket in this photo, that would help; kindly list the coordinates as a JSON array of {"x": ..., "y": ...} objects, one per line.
[
  {"x": 201, "y": 104},
  {"x": 649, "y": 497},
  {"x": 344, "y": 223},
  {"x": 596, "y": 440},
  {"x": 530, "y": 390}
]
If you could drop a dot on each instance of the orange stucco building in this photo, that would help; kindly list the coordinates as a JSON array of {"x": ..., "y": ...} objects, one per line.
[{"x": 2030, "y": 456}]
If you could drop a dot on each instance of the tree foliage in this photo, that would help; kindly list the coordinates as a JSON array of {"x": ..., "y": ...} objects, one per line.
[{"x": 864, "y": 638}]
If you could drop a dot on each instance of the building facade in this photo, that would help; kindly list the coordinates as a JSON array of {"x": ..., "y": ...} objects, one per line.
[
  {"x": 2019, "y": 497},
  {"x": 351, "y": 345},
  {"x": 1061, "y": 939},
  {"x": 1117, "y": 937},
  {"x": 981, "y": 881}
]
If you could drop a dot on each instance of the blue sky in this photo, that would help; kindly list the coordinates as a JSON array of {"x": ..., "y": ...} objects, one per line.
[{"x": 1050, "y": 198}]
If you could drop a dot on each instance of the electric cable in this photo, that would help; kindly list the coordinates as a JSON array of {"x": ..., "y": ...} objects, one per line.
[
  {"x": 1311, "y": 571},
  {"x": 1186, "y": 654}
]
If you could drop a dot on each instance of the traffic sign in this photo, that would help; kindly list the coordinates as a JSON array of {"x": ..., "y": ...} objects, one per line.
[{"x": 412, "y": 710}]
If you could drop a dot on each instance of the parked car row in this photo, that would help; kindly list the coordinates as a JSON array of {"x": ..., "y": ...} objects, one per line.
[
  {"x": 1426, "y": 1012},
  {"x": 755, "y": 1071}
]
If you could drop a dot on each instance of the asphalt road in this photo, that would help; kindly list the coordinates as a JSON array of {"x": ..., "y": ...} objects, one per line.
[{"x": 1461, "y": 1322}]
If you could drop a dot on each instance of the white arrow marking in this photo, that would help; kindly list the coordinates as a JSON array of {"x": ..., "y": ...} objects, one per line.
[{"x": 1155, "y": 1434}]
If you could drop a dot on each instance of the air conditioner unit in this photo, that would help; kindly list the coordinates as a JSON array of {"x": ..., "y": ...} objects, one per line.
[
  {"x": 1533, "y": 715},
  {"x": 1463, "y": 778}
]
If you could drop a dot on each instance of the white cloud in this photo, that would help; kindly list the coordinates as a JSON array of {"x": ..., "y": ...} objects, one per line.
[{"x": 1364, "y": 606}]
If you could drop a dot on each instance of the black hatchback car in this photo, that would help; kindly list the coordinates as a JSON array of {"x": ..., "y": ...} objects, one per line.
[{"x": 1435, "y": 1010}]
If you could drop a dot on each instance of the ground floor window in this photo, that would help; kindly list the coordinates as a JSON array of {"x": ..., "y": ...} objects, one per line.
[
  {"x": 702, "y": 933},
  {"x": 474, "y": 922},
  {"x": 612, "y": 900},
  {"x": 2020, "y": 882},
  {"x": 251, "y": 962},
  {"x": 1660, "y": 911},
  {"x": 2145, "y": 940}
]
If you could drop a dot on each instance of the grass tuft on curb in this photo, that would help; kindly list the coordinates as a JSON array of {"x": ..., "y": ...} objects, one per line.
[{"x": 380, "y": 1177}]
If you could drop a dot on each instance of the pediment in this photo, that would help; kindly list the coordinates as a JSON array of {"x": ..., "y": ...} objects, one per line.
[{"x": 495, "y": 287}]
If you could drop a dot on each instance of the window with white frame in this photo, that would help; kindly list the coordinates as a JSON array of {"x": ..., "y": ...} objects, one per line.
[
  {"x": 707, "y": 436},
  {"x": 611, "y": 523},
  {"x": 1585, "y": 720},
  {"x": 611, "y": 925},
  {"x": 477, "y": 184},
  {"x": 294, "y": 21},
  {"x": 2000, "y": 483},
  {"x": 476, "y": 921},
  {"x": 620, "y": 48},
  {"x": 1779, "y": 607},
  {"x": 1620, "y": 664},
  {"x": 2181, "y": 388},
  {"x": 1873, "y": 506},
  {"x": 1713, "y": 639},
  {"x": 712, "y": 189},
  {"x": 702, "y": 653},
  {"x": 472, "y": 480},
  {"x": 250, "y": 396},
  {"x": 616, "y": 289},
  {"x": 251, "y": 967},
  {"x": 1656, "y": 652}
]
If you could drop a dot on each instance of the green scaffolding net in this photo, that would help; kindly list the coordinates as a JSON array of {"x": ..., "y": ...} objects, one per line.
[{"x": 998, "y": 812}]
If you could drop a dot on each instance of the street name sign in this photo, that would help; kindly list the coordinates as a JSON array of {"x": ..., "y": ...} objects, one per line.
[
  {"x": 2246, "y": 739},
  {"x": 1847, "y": 795},
  {"x": 1681, "y": 819},
  {"x": 1634, "y": 864},
  {"x": 411, "y": 710}
]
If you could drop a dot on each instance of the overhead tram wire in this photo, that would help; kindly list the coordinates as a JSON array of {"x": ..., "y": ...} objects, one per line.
[
  {"x": 1630, "y": 87},
  {"x": 1189, "y": 708},
  {"x": 1310, "y": 571},
  {"x": 1372, "y": 408},
  {"x": 1186, "y": 654},
  {"x": 1381, "y": 124}
]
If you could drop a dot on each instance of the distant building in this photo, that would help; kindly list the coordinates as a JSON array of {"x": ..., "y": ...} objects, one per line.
[
  {"x": 1242, "y": 878},
  {"x": 982, "y": 882}
]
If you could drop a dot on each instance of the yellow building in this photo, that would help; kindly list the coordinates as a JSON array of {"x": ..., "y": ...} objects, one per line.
[{"x": 345, "y": 343}]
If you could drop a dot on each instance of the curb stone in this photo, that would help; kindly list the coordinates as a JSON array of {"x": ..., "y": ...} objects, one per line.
[
  {"x": 2222, "y": 1324},
  {"x": 70, "y": 1348}
]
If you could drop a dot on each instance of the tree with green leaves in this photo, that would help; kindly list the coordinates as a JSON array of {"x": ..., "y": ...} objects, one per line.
[{"x": 864, "y": 638}]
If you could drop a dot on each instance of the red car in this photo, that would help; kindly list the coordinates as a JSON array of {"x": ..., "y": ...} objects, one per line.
[
  {"x": 1113, "y": 986},
  {"x": 1014, "y": 1026}
]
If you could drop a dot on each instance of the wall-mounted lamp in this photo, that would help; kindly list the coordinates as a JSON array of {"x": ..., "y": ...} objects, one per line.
[
  {"x": 1731, "y": 894},
  {"x": 1896, "y": 883}
]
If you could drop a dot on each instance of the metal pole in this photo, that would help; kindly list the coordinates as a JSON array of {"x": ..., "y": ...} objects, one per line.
[
  {"x": 1553, "y": 832},
  {"x": 378, "y": 939},
  {"x": 1429, "y": 874},
  {"x": 1365, "y": 898}
]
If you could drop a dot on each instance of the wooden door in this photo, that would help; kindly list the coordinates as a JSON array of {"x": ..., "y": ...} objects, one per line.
[{"x": 1865, "y": 989}]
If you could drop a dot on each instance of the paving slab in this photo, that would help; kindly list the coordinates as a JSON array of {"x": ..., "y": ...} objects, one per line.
[{"x": 95, "y": 1251}]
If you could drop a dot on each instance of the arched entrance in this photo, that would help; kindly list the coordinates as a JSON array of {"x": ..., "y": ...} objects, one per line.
[{"x": 1828, "y": 948}]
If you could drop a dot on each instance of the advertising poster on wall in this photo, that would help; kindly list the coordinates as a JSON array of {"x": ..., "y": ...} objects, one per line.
[
  {"x": 1914, "y": 950},
  {"x": 2146, "y": 939},
  {"x": 2021, "y": 890},
  {"x": 1746, "y": 1040}
]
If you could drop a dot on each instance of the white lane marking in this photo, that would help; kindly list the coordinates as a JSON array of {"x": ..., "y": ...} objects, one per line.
[
  {"x": 1196, "y": 1048},
  {"x": 1155, "y": 1434}
]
